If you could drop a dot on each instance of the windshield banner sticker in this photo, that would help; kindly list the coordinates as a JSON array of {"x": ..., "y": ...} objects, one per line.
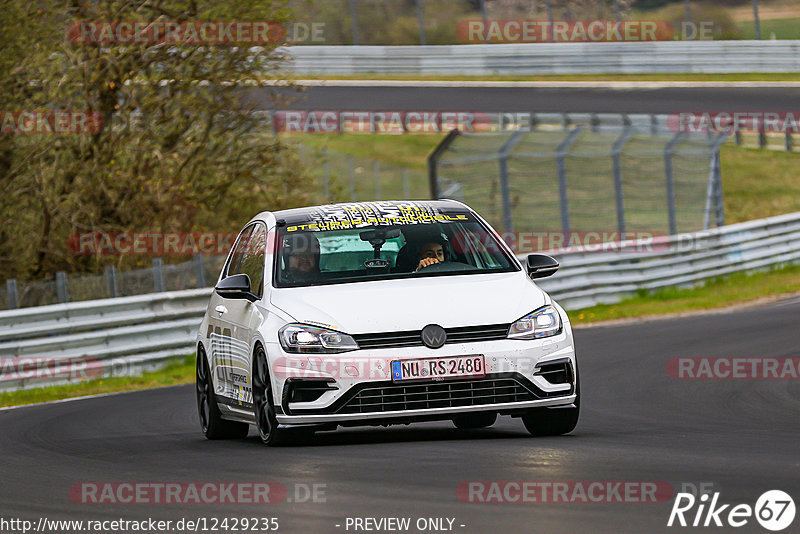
[{"x": 361, "y": 214}]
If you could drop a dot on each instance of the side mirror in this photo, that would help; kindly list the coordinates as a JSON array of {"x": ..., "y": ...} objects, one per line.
[
  {"x": 541, "y": 265},
  {"x": 236, "y": 287}
]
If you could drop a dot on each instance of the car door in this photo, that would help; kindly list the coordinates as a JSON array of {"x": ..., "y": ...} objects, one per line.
[{"x": 235, "y": 320}]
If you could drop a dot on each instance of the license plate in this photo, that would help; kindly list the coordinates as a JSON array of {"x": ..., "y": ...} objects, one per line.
[{"x": 439, "y": 368}]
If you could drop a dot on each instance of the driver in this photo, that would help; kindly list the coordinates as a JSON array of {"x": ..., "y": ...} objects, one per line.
[{"x": 429, "y": 253}]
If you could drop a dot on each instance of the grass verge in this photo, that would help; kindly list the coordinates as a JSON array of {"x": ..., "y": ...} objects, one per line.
[
  {"x": 178, "y": 371},
  {"x": 723, "y": 292}
]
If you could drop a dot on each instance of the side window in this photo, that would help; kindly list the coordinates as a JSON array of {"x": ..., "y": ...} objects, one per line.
[
  {"x": 238, "y": 252},
  {"x": 252, "y": 263}
]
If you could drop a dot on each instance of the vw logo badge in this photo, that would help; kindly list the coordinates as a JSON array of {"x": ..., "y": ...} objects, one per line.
[{"x": 433, "y": 336}]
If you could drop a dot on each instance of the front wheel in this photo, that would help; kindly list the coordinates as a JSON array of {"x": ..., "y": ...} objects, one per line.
[
  {"x": 554, "y": 421},
  {"x": 268, "y": 428},
  {"x": 211, "y": 421}
]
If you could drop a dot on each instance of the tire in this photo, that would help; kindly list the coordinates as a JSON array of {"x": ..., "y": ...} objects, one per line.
[
  {"x": 554, "y": 421},
  {"x": 269, "y": 430},
  {"x": 475, "y": 420},
  {"x": 211, "y": 422}
]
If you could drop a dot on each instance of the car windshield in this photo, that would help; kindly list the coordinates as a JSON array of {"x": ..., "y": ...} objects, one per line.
[{"x": 324, "y": 253}]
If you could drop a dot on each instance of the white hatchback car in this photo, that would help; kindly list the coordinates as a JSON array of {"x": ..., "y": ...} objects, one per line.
[{"x": 379, "y": 313}]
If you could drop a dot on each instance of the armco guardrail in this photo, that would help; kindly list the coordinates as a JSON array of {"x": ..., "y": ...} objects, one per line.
[
  {"x": 551, "y": 58},
  {"x": 66, "y": 342},
  {"x": 588, "y": 278},
  {"x": 63, "y": 343}
]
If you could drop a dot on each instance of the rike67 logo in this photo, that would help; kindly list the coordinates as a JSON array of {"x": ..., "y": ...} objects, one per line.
[{"x": 774, "y": 510}]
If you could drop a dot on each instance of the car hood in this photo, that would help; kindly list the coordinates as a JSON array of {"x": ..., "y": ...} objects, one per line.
[{"x": 410, "y": 304}]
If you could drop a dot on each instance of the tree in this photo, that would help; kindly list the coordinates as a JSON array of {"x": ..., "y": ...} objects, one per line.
[{"x": 178, "y": 149}]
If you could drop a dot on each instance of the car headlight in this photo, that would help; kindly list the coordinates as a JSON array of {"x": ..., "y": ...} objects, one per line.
[
  {"x": 304, "y": 338},
  {"x": 544, "y": 322}
]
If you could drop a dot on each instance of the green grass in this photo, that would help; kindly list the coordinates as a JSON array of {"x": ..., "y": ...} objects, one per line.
[
  {"x": 179, "y": 371},
  {"x": 759, "y": 183},
  {"x": 658, "y": 77},
  {"x": 403, "y": 150},
  {"x": 788, "y": 28},
  {"x": 721, "y": 292}
]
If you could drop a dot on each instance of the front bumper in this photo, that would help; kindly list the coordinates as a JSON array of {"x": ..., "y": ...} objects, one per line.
[
  {"x": 519, "y": 361},
  {"x": 431, "y": 414}
]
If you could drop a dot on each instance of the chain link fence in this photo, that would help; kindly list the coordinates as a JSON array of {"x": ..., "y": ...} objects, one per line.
[
  {"x": 585, "y": 175},
  {"x": 346, "y": 178}
]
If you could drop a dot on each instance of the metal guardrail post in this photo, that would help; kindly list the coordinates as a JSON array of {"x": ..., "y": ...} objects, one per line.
[
  {"x": 433, "y": 162},
  {"x": 561, "y": 163},
  {"x": 670, "y": 182},
  {"x": 616, "y": 151},
  {"x": 594, "y": 120},
  {"x": 717, "y": 170},
  {"x": 485, "y": 18},
  {"x": 421, "y": 22},
  {"x": 351, "y": 168},
  {"x": 505, "y": 189},
  {"x": 111, "y": 281},
  {"x": 788, "y": 141},
  {"x": 687, "y": 16},
  {"x": 762, "y": 134},
  {"x": 12, "y": 296},
  {"x": 61, "y": 287},
  {"x": 199, "y": 270},
  {"x": 756, "y": 20},
  {"x": 158, "y": 275},
  {"x": 354, "y": 21},
  {"x": 376, "y": 170},
  {"x": 653, "y": 124},
  {"x": 326, "y": 174}
]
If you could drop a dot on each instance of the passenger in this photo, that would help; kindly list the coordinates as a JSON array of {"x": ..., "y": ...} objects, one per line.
[{"x": 301, "y": 257}]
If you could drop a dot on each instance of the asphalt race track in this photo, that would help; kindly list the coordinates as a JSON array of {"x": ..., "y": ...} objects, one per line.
[
  {"x": 493, "y": 99},
  {"x": 638, "y": 424}
]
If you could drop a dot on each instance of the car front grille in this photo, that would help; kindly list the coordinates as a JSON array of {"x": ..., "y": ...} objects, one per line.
[
  {"x": 398, "y": 397},
  {"x": 413, "y": 338}
]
